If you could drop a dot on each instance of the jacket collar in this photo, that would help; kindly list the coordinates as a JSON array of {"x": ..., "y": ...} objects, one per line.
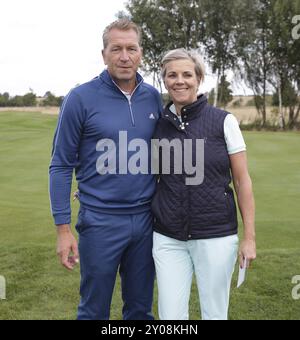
[
  {"x": 189, "y": 112},
  {"x": 107, "y": 79}
]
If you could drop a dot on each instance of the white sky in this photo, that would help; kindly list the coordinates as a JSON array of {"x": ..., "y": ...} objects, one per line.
[{"x": 53, "y": 45}]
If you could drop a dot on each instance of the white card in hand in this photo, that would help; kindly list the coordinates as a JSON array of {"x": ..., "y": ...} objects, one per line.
[{"x": 242, "y": 274}]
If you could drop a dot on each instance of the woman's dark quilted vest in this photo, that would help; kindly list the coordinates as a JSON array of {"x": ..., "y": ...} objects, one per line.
[{"x": 188, "y": 212}]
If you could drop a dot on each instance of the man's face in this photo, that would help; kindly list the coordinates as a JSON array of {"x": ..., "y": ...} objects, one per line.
[{"x": 122, "y": 55}]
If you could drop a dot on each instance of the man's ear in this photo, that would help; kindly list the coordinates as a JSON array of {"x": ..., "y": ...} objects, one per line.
[
  {"x": 103, "y": 56},
  {"x": 142, "y": 54}
]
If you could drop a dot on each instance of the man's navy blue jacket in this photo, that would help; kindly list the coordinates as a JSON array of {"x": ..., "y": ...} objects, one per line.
[{"x": 91, "y": 113}]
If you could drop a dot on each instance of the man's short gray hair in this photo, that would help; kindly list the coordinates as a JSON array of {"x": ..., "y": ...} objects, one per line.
[
  {"x": 183, "y": 54},
  {"x": 123, "y": 25}
]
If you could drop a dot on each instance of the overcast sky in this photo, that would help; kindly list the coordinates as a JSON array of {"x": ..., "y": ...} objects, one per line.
[{"x": 53, "y": 45}]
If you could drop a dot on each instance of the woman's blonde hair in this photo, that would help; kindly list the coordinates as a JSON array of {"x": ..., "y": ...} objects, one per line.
[{"x": 183, "y": 54}]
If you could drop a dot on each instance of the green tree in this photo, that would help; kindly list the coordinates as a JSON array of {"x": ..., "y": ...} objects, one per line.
[
  {"x": 224, "y": 93},
  {"x": 268, "y": 54},
  {"x": 166, "y": 25},
  {"x": 29, "y": 99},
  {"x": 16, "y": 101},
  {"x": 219, "y": 36},
  {"x": 251, "y": 37},
  {"x": 254, "y": 32},
  {"x": 4, "y": 99},
  {"x": 51, "y": 100},
  {"x": 285, "y": 59},
  {"x": 289, "y": 96},
  {"x": 203, "y": 25}
]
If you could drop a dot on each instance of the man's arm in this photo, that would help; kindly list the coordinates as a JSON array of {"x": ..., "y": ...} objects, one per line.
[{"x": 64, "y": 160}]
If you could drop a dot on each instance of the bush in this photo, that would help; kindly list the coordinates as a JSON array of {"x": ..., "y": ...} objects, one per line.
[
  {"x": 28, "y": 99},
  {"x": 4, "y": 99},
  {"x": 257, "y": 125},
  {"x": 250, "y": 102},
  {"x": 237, "y": 103},
  {"x": 51, "y": 100}
]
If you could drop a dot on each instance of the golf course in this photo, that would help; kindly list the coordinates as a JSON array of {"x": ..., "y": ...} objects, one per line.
[{"x": 37, "y": 287}]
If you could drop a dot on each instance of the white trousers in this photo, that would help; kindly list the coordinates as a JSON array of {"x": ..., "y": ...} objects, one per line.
[{"x": 213, "y": 263}]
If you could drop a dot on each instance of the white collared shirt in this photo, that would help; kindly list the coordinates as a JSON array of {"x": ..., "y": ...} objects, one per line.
[
  {"x": 233, "y": 134},
  {"x": 127, "y": 94}
]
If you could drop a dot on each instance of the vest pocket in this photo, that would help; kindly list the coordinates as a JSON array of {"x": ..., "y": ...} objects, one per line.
[{"x": 230, "y": 204}]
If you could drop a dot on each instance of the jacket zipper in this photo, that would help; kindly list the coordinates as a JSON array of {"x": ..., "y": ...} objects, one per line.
[
  {"x": 129, "y": 101},
  {"x": 131, "y": 113},
  {"x": 182, "y": 128}
]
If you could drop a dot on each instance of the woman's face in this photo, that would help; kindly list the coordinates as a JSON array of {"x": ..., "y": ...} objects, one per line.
[{"x": 182, "y": 82}]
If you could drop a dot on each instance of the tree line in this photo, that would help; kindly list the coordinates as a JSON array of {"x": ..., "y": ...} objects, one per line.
[
  {"x": 29, "y": 100},
  {"x": 254, "y": 38}
]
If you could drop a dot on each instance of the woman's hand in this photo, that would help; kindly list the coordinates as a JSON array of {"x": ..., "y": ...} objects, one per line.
[{"x": 247, "y": 251}]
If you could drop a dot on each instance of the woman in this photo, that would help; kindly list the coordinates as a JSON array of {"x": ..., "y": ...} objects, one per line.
[{"x": 196, "y": 225}]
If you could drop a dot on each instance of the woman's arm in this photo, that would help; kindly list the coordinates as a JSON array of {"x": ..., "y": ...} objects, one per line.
[{"x": 243, "y": 188}]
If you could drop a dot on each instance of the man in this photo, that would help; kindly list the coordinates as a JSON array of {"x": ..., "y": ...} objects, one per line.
[{"x": 114, "y": 221}]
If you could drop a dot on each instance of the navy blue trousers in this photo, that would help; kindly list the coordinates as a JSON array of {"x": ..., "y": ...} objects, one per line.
[{"x": 112, "y": 243}]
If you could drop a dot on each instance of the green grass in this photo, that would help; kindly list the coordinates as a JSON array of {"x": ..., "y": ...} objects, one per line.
[{"x": 37, "y": 286}]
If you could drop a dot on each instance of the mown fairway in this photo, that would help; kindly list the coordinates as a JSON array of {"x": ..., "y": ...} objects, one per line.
[{"x": 38, "y": 288}]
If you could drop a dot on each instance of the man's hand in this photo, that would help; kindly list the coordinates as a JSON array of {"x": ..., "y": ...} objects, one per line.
[{"x": 67, "y": 248}]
